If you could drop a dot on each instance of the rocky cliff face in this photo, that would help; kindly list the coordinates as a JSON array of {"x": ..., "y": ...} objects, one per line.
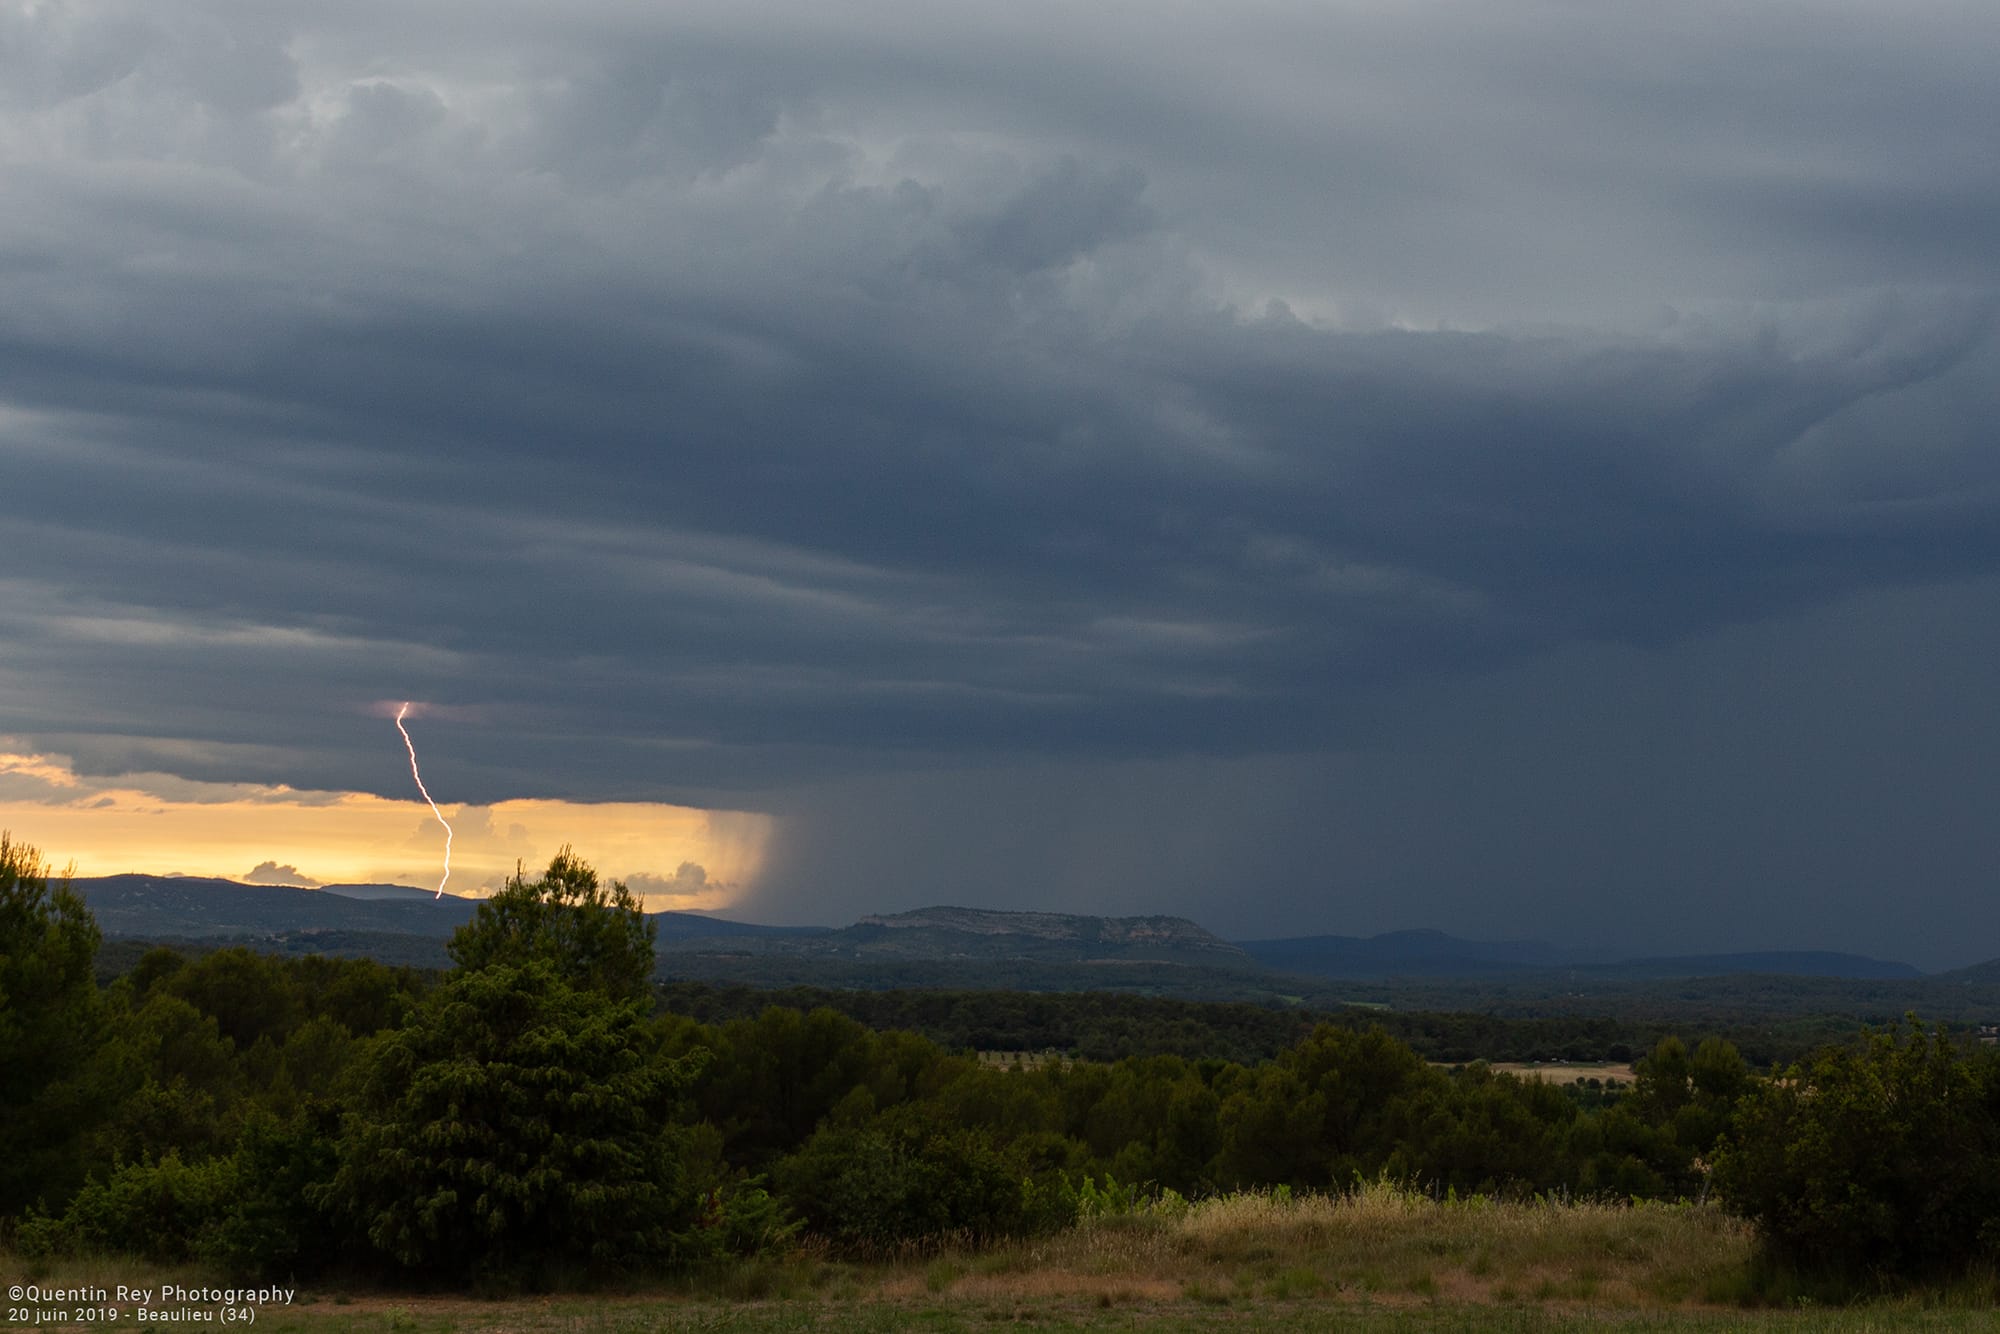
[{"x": 946, "y": 932}]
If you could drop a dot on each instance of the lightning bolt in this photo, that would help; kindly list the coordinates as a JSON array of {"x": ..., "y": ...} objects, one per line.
[{"x": 411, "y": 746}]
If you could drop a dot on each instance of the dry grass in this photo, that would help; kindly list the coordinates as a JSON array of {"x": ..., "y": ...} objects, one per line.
[
  {"x": 1395, "y": 1244},
  {"x": 1383, "y": 1258},
  {"x": 1613, "y": 1074},
  {"x": 63, "y": 1272},
  {"x": 1567, "y": 1072},
  {"x": 1023, "y": 1060}
]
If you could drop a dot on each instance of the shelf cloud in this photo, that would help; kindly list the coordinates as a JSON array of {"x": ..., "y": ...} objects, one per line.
[{"x": 1319, "y": 467}]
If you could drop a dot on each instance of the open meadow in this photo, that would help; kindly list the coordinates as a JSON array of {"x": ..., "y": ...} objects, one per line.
[{"x": 1382, "y": 1258}]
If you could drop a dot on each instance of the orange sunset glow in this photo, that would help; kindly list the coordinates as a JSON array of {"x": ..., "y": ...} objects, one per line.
[{"x": 675, "y": 857}]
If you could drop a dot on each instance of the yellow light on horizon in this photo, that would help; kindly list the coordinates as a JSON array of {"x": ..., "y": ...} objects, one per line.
[{"x": 673, "y": 856}]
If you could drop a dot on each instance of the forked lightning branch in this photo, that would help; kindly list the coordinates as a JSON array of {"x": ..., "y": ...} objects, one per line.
[{"x": 411, "y": 746}]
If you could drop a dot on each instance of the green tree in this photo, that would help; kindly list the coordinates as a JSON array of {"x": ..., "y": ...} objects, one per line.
[
  {"x": 171, "y": 1081},
  {"x": 1688, "y": 1099},
  {"x": 1270, "y": 1128},
  {"x": 1718, "y": 1078},
  {"x": 360, "y": 995},
  {"x": 514, "y": 1128},
  {"x": 1882, "y": 1157},
  {"x": 1663, "y": 1081},
  {"x": 250, "y": 996},
  {"x": 596, "y": 936},
  {"x": 49, "y": 1008},
  {"x": 1485, "y": 1132},
  {"x": 1366, "y": 1084},
  {"x": 776, "y": 1077}
]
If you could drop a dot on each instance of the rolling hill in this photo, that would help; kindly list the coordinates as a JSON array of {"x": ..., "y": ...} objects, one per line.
[
  {"x": 187, "y": 907},
  {"x": 936, "y": 946},
  {"x": 978, "y": 933}
]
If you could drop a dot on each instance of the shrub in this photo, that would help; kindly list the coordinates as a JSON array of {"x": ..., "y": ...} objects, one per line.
[
  {"x": 872, "y": 1188},
  {"x": 1880, "y": 1158},
  {"x": 164, "y": 1210},
  {"x": 274, "y": 1224}
]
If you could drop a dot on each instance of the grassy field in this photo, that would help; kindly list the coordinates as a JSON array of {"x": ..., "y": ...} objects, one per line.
[
  {"x": 1022, "y": 1060},
  {"x": 1382, "y": 1260},
  {"x": 1568, "y": 1072}
]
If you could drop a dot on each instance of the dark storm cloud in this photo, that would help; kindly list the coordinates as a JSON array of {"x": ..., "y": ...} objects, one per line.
[
  {"x": 1818, "y": 780},
  {"x": 733, "y": 407}
]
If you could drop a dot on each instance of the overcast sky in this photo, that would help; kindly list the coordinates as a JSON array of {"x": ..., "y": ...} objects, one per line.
[{"x": 1519, "y": 468}]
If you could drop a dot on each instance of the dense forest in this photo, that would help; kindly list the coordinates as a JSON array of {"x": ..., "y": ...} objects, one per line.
[
  {"x": 1108, "y": 1026},
  {"x": 543, "y": 1113}
]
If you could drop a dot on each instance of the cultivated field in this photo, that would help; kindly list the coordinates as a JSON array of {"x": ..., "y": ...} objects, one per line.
[
  {"x": 1558, "y": 1072},
  {"x": 1555, "y": 1072},
  {"x": 1022, "y": 1060}
]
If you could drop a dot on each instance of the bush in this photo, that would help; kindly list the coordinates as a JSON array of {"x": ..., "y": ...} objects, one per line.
[
  {"x": 874, "y": 1188},
  {"x": 167, "y": 1211},
  {"x": 862, "y": 1189},
  {"x": 742, "y": 1218},
  {"x": 1882, "y": 1158},
  {"x": 274, "y": 1225}
]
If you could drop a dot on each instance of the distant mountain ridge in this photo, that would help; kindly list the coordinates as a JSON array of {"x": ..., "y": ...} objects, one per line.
[
  {"x": 986, "y": 933},
  {"x": 395, "y": 892},
  {"x": 176, "y": 907},
  {"x": 161, "y": 906},
  {"x": 165, "y": 906}
]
